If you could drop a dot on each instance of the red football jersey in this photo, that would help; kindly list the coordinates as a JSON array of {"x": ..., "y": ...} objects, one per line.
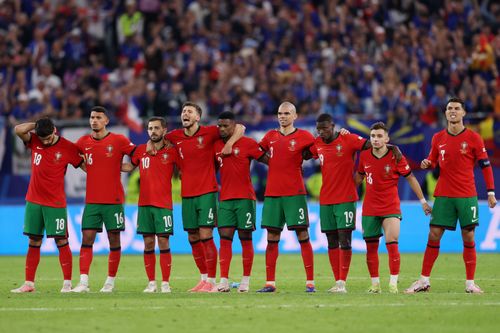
[
  {"x": 48, "y": 167},
  {"x": 104, "y": 160},
  {"x": 382, "y": 175},
  {"x": 456, "y": 155},
  {"x": 235, "y": 169},
  {"x": 197, "y": 160},
  {"x": 155, "y": 176},
  {"x": 337, "y": 167},
  {"x": 284, "y": 177}
]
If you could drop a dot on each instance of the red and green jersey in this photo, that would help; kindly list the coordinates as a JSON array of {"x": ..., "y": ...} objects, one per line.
[
  {"x": 382, "y": 175},
  {"x": 284, "y": 177},
  {"x": 155, "y": 176},
  {"x": 48, "y": 167},
  {"x": 456, "y": 156},
  {"x": 103, "y": 161},
  {"x": 197, "y": 160},
  {"x": 235, "y": 169},
  {"x": 337, "y": 167}
]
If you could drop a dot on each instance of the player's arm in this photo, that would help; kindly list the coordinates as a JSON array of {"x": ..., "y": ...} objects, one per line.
[
  {"x": 306, "y": 154},
  {"x": 83, "y": 166},
  {"x": 239, "y": 131},
  {"x": 431, "y": 160},
  {"x": 23, "y": 131},
  {"x": 264, "y": 159},
  {"x": 485, "y": 165},
  {"x": 358, "y": 178},
  {"x": 415, "y": 186},
  {"x": 128, "y": 167}
]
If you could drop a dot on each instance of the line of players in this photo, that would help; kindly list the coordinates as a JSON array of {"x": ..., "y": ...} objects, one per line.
[{"x": 192, "y": 150}]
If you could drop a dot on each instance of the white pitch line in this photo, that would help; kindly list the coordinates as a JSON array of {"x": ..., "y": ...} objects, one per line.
[{"x": 288, "y": 306}]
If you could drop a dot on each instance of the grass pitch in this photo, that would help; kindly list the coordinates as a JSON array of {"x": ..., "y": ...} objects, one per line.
[{"x": 445, "y": 309}]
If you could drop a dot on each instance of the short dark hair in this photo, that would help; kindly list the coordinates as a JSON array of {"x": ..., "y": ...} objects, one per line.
[
  {"x": 226, "y": 115},
  {"x": 379, "y": 125},
  {"x": 98, "y": 108},
  {"x": 162, "y": 121},
  {"x": 194, "y": 105},
  {"x": 44, "y": 127},
  {"x": 455, "y": 100},
  {"x": 324, "y": 117}
]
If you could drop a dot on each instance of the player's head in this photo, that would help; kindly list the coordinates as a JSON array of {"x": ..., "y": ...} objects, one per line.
[
  {"x": 286, "y": 114},
  {"x": 157, "y": 126},
  {"x": 45, "y": 130},
  {"x": 226, "y": 123},
  {"x": 98, "y": 118},
  {"x": 455, "y": 110},
  {"x": 191, "y": 114},
  {"x": 379, "y": 135},
  {"x": 325, "y": 126}
]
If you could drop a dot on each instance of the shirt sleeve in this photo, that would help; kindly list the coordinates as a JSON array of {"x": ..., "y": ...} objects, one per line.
[
  {"x": 480, "y": 152},
  {"x": 403, "y": 168},
  {"x": 74, "y": 155},
  {"x": 434, "y": 153},
  {"x": 264, "y": 143},
  {"x": 254, "y": 150},
  {"x": 361, "y": 165},
  {"x": 79, "y": 145},
  {"x": 357, "y": 142},
  {"x": 314, "y": 151},
  {"x": 126, "y": 147},
  {"x": 29, "y": 144},
  {"x": 134, "y": 158},
  {"x": 213, "y": 133}
]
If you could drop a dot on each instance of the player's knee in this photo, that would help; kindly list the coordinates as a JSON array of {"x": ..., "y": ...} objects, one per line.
[
  {"x": 244, "y": 235},
  {"x": 35, "y": 241},
  {"x": 60, "y": 242},
  {"x": 333, "y": 240}
]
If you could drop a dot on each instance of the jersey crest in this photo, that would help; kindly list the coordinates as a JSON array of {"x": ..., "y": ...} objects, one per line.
[
  {"x": 109, "y": 151},
  {"x": 292, "y": 145}
]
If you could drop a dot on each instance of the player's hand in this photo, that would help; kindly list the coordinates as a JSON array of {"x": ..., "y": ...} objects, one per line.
[
  {"x": 150, "y": 148},
  {"x": 397, "y": 153},
  {"x": 425, "y": 164},
  {"x": 492, "y": 201},
  {"x": 344, "y": 131},
  {"x": 427, "y": 208},
  {"x": 227, "y": 150}
]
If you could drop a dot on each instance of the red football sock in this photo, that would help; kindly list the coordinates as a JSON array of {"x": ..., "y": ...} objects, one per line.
[
  {"x": 307, "y": 258},
  {"x": 372, "y": 257},
  {"x": 210, "y": 257},
  {"x": 32, "y": 260},
  {"x": 114, "y": 260},
  {"x": 247, "y": 255},
  {"x": 165, "y": 264},
  {"x": 334, "y": 257},
  {"x": 66, "y": 261},
  {"x": 199, "y": 256},
  {"x": 225, "y": 256},
  {"x": 86, "y": 256},
  {"x": 430, "y": 256},
  {"x": 470, "y": 259},
  {"x": 345, "y": 263},
  {"x": 394, "y": 257},
  {"x": 272, "y": 252},
  {"x": 150, "y": 264}
]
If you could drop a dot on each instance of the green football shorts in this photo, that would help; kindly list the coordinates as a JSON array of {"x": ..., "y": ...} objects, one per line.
[
  {"x": 237, "y": 213},
  {"x": 446, "y": 211},
  {"x": 200, "y": 211},
  {"x": 372, "y": 225},
  {"x": 154, "y": 221},
  {"x": 95, "y": 215},
  {"x": 290, "y": 210},
  {"x": 38, "y": 217},
  {"x": 338, "y": 217}
]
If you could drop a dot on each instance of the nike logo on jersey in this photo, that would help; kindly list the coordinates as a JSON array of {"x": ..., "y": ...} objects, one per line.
[
  {"x": 368, "y": 166},
  {"x": 271, "y": 142},
  {"x": 58, "y": 232},
  {"x": 178, "y": 142},
  {"x": 88, "y": 148},
  {"x": 301, "y": 222},
  {"x": 440, "y": 146},
  {"x": 210, "y": 222},
  {"x": 38, "y": 147}
]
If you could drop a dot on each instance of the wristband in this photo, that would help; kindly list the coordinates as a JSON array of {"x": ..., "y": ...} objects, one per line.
[
  {"x": 491, "y": 193},
  {"x": 423, "y": 201}
]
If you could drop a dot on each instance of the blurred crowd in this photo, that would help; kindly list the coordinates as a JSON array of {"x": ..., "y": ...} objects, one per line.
[{"x": 371, "y": 58}]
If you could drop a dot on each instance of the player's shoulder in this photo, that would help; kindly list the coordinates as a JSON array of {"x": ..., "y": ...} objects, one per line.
[
  {"x": 66, "y": 143},
  {"x": 117, "y": 137},
  {"x": 208, "y": 129},
  {"x": 351, "y": 137},
  {"x": 140, "y": 149},
  {"x": 247, "y": 141},
  {"x": 472, "y": 134},
  {"x": 304, "y": 133}
]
